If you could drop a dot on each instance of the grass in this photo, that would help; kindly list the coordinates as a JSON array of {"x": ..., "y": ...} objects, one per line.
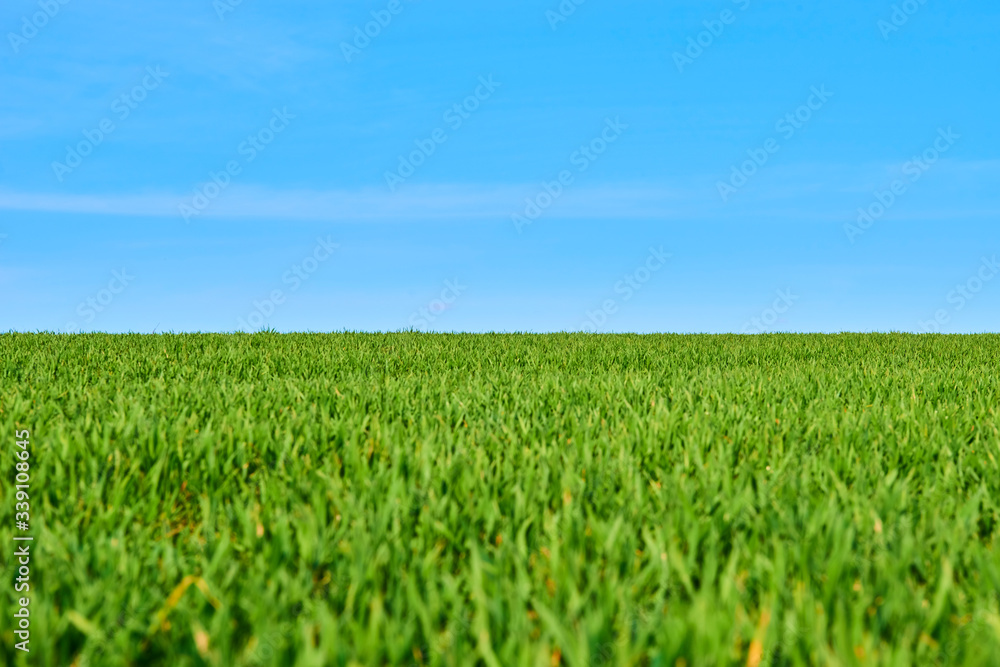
[{"x": 361, "y": 499}]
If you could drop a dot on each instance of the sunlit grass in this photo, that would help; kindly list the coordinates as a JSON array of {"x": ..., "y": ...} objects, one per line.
[{"x": 507, "y": 499}]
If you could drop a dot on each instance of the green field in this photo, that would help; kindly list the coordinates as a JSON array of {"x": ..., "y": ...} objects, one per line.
[{"x": 363, "y": 499}]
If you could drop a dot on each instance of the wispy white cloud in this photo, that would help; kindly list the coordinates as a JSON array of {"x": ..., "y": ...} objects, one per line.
[
  {"x": 804, "y": 193},
  {"x": 439, "y": 202}
]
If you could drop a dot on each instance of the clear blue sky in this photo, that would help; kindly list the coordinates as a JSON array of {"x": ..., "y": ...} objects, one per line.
[{"x": 687, "y": 166}]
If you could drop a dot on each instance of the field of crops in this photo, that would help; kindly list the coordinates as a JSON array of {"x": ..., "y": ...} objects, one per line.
[{"x": 362, "y": 499}]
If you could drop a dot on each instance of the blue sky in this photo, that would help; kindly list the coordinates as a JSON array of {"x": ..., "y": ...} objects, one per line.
[{"x": 532, "y": 166}]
